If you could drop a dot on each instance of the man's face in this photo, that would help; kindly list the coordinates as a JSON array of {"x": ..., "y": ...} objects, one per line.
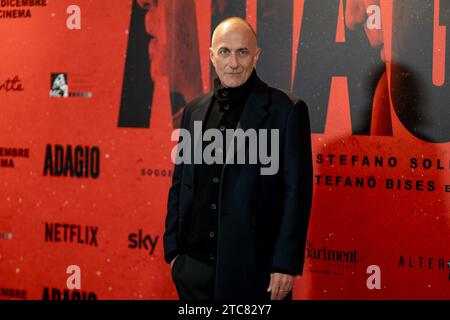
[{"x": 234, "y": 53}]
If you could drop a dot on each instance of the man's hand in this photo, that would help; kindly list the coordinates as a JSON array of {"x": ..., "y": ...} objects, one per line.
[
  {"x": 173, "y": 260},
  {"x": 280, "y": 285}
]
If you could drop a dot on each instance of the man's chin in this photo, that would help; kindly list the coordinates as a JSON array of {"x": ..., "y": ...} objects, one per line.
[{"x": 232, "y": 83}]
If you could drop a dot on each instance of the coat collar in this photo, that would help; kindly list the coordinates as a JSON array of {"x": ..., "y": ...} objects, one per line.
[
  {"x": 256, "y": 109},
  {"x": 254, "y": 112}
]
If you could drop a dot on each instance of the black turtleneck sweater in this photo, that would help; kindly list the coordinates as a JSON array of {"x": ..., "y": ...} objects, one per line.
[{"x": 200, "y": 237}]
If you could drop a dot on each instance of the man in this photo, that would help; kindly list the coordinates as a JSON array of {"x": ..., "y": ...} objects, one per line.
[{"x": 231, "y": 232}]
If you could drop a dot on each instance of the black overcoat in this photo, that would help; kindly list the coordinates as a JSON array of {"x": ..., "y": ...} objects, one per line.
[{"x": 263, "y": 219}]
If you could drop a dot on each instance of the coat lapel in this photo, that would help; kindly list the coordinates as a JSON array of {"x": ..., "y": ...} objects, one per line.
[
  {"x": 255, "y": 110},
  {"x": 198, "y": 114},
  {"x": 200, "y": 111},
  {"x": 253, "y": 114}
]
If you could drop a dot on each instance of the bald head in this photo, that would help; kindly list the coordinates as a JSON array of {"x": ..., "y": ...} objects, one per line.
[
  {"x": 234, "y": 51},
  {"x": 233, "y": 23}
]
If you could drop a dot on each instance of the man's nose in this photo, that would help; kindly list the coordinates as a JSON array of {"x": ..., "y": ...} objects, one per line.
[
  {"x": 147, "y": 4},
  {"x": 233, "y": 63}
]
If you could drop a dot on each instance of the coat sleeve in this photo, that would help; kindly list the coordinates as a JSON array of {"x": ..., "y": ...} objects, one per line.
[
  {"x": 171, "y": 248},
  {"x": 297, "y": 173}
]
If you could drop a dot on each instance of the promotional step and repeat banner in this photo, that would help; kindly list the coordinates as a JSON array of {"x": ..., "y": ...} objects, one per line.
[{"x": 91, "y": 91}]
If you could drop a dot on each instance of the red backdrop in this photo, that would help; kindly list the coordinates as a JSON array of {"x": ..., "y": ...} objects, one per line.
[{"x": 124, "y": 98}]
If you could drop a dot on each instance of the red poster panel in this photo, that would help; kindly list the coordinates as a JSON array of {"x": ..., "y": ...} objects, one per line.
[{"x": 91, "y": 92}]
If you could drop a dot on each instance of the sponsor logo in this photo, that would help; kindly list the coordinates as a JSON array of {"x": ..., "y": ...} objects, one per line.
[
  {"x": 142, "y": 241},
  {"x": 330, "y": 260},
  {"x": 73, "y": 233},
  {"x": 59, "y": 85},
  {"x": 422, "y": 262}
]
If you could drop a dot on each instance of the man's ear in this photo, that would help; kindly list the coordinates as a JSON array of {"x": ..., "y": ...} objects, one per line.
[
  {"x": 211, "y": 56},
  {"x": 257, "y": 53}
]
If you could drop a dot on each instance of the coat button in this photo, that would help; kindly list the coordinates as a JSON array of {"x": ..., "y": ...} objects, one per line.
[
  {"x": 215, "y": 180},
  {"x": 211, "y": 234},
  {"x": 224, "y": 93},
  {"x": 226, "y": 107},
  {"x": 222, "y": 128},
  {"x": 213, "y": 206},
  {"x": 212, "y": 256}
]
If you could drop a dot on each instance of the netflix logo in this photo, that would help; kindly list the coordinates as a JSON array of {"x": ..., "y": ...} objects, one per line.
[{"x": 72, "y": 233}]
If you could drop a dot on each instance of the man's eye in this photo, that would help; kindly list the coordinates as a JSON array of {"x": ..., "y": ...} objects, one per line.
[
  {"x": 223, "y": 51},
  {"x": 243, "y": 52}
]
